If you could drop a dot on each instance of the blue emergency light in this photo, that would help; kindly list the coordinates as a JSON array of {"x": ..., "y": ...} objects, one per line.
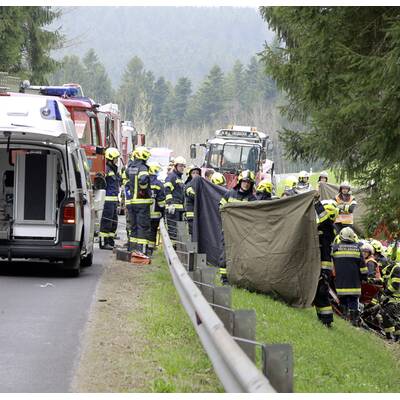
[
  {"x": 51, "y": 111},
  {"x": 60, "y": 91}
]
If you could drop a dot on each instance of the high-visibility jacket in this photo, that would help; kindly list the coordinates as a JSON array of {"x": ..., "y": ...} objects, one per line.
[
  {"x": 139, "y": 182},
  {"x": 190, "y": 195},
  {"x": 236, "y": 195},
  {"x": 392, "y": 286},
  {"x": 350, "y": 268},
  {"x": 112, "y": 182},
  {"x": 158, "y": 195},
  {"x": 346, "y": 215},
  {"x": 174, "y": 190}
]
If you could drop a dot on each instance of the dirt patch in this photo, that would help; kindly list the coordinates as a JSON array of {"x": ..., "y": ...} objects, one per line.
[{"x": 111, "y": 358}]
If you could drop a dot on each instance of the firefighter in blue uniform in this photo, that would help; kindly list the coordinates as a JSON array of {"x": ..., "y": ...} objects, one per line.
[
  {"x": 326, "y": 215},
  {"x": 174, "y": 196},
  {"x": 190, "y": 195},
  {"x": 350, "y": 271},
  {"x": 109, "y": 218},
  {"x": 158, "y": 204},
  {"x": 140, "y": 200}
]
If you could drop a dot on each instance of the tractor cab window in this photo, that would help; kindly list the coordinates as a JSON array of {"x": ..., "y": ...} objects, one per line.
[{"x": 234, "y": 157}]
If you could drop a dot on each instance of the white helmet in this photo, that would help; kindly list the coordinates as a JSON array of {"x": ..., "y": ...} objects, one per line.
[
  {"x": 179, "y": 160},
  {"x": 367, "y": 247},
  {"x": 345, "y": 184},
  {"x": 303, "y": 174},
  {"x": 323, "y": 174},
  {"x": 348, "y": 234}
]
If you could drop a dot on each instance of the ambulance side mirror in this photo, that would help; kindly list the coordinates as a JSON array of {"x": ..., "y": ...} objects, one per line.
[{"x": 99, "y": 150}]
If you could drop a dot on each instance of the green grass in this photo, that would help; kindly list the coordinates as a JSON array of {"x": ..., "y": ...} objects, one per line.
[
  {"x": 175, "y": 347},
  {"x": 342, "y": 359}
]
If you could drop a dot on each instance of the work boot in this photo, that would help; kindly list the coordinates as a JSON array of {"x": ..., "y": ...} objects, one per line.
[
  {"x": 328, "y": 324},
  {"x": 354, "y": 317},
  {"x": 101, "y": 242},
  {"x": 389, "y": 336},
  {"x": 149, "y": 251},
  {"x": 224, "y": 280},
  {"x": 107, "y": 244}
]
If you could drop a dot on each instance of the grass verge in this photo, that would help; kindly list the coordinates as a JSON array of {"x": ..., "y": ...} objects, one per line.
[{"x": 341, "y": 359}]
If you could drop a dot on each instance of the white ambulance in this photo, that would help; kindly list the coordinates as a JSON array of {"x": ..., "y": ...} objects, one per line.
[{"x": 46, "y": 199}]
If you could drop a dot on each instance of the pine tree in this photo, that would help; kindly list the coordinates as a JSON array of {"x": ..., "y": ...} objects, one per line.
[{"x": 180, "y": 100}]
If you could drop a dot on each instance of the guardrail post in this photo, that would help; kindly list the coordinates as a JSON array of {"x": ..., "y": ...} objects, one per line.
[
  {"x": 278, "y": 366},
  {"x": 223, "y": 297},
  {"x": 244, "y": 326},
  {"x": 208, "y": 277}
]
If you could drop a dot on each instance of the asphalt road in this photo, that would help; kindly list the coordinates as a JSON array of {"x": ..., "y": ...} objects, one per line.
[{"x": 42, "y": 319}]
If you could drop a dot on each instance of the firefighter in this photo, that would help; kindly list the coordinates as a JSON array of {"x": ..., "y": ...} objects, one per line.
[
  {"x": 326, "y": 215},
  {"x": 264, "y": 190},
  {"x": 374, "y": 274},
  {"x": 190, "y": 194},
  {"x": 289, "y": 188},
  {"x": 390, "y": 302},
  {"x": 139, "y": 187},
  {"x": 323, "y": 177},
  {"x": 208, "y": 174},
  {"x": 175, "y": 195},
  {"x": 158, "y": 204},
  {"x": 303, "y": 184},
  {"x": 350, "y": 270},
  {"x": 128, "y": 203},
  {"x": 346, "y": 204},
  {"x": 109, "y": 218},
  {"x": 242, "y": 192},
  {"x": 380, "y": 258},
  {"x": 218, "y": 179}
]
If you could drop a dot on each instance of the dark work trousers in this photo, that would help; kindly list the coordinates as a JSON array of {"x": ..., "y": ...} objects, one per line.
[
  {"x": 172, "y": 219},
  {"x": 322, "y": 302},
  {"x": 190, "y": 226},
  {"x": 140, "y": 227},
  {"x": 153, "y": 232},
  {"x": 109, "y": 221}
]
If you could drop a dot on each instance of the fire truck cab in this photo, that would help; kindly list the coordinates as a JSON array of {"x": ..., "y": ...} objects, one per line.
[{"x": 237, "y": 148}]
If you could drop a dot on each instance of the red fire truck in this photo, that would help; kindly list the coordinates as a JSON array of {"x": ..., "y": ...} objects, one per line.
[{"x": 237, "y": 148}]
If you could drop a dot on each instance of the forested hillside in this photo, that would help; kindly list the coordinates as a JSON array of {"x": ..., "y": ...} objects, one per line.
[{"x": 171, "y": 41}]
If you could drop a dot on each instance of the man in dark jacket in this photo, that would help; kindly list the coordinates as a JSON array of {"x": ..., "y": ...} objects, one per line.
[
  {"x": 175, "y": 196},
  {"x": 140, "y": 193},
  {"x": 158, "y": 204},
  {"x": 109, "y": 218},
  {"x": 350, "y": 271},
  {"x": 190, "y": 194}
]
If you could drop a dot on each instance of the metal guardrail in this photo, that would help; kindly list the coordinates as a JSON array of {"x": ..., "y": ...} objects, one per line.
[{"x": 234, "y": 369}]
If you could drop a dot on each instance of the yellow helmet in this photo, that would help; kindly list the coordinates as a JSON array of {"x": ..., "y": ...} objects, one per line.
[
  {"x": 218, "y": 179},
  {"x": 179, "y": 160},
  {"x": 377, "y": 245},
  {"x": 290, "y": 182},
  {"x": 247, "y": 175},
  {"x": 140, "y": 153},
  {"x": 154, "y": 168},
  {"x": 264, "y": 186},
  {"x": 112, "y": 153}
]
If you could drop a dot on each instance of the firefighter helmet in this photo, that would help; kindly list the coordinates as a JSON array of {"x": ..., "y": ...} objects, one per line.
[
  {"x": 367, "y": 247},
  {"x": 247, "y": 175},
  {"x": 179, "y": 160},
  {"x": 377, "y": 245},
  {"x": 348, "y": 234},
  {"x": 218, "y": 179},
  {"x": 323, "y": 174},
  {"x": 303, "y": 174},
  {"x": 154, "y": 168},
  {"x": 192, "y": 168},
  {"x": 344, "y": 184},
  {"x": 141, "y": 153},
  {"x": 112, "y": 153},
  {"x": 290, "y": 182},
  {"x": 264, "y": 186}
]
